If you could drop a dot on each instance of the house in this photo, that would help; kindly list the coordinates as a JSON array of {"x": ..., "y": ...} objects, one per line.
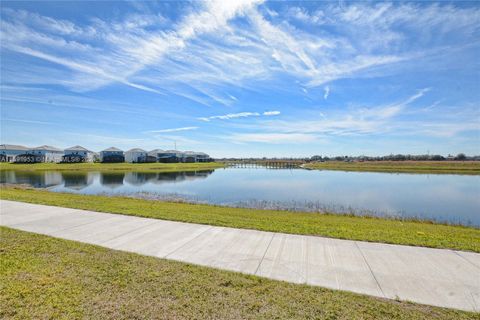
[
  {"x": 112, "y": 154},
  {"x": 136, "y": 155},
  {"x": 203, "y": 157},
  {"x": 170, "y": 156},
  {"x": 46, "y": 154},
  {"x": 192, "y": 156},
  {"x": 152, "y": 156},
  {"x": 9, "y": 152},
  {"x": 189, "y": 156},
  {"x": 77, "y": 154}
]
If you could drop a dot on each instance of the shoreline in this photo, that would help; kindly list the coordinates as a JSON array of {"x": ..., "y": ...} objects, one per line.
[{"x": 373, "y": 229}]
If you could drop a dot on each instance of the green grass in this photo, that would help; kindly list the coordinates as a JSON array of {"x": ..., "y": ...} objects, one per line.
[
  {"x": 413, "y": 233},
  {"x": 47, "y": 278},
  {"x": 440, "y": 167},
  {"x": 136, "y": 167}
]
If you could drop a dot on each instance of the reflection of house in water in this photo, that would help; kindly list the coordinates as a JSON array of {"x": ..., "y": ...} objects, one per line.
[
  {"x": 112, "y": 179},
  {"x": 181, "y": 176},
  {"x": 140, "y": 178},
  {"x": 77, "y": 180},
  {"x": 34, "y": 179}
]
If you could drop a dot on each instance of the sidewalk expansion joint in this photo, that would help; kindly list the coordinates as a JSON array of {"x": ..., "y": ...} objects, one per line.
[{"x": 370, "y": 268}]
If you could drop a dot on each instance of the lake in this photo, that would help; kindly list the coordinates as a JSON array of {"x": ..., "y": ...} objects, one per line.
[{"x": 442, "y": 198}]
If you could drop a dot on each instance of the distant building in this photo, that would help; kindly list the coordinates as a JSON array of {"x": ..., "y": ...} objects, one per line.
[
  {"x": 46, "y": 154},
  {"x": 170, "y": 156},
  {"x": 112, "y": 155},
  {"x": 152, "y": 156},
  {"x": 9, "y": 152},
  {"x": 192, "y": 156},
  {"x": 136, "y": 155},
  {"x": 203, "y": 157},
  {"x": 78, "y": 154}
]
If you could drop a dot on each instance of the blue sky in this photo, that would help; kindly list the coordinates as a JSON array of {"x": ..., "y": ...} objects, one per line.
[{"x": 243, "y": 78}]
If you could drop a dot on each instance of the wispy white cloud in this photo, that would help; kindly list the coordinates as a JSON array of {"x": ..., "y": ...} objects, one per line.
[
  {"x": 173, "y": 130},
  {"x": 242, "y": 44},
  {"x": 360, "y": 121},
  {"x": 240, "y": 115},
  {"x": 271, "y": 113},
  {"x": 27, "y": 121},
  {"x": 326, "y": 92},
  {"x": 231, "y": 116}
]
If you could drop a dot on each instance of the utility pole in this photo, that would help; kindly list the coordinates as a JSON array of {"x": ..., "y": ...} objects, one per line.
[{"x": 175, "y": 144}]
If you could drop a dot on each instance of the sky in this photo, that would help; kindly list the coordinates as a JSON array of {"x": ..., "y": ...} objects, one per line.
[{"x": 243, "y": 78}]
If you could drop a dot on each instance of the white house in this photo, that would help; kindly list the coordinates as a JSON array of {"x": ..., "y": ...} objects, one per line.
[
  {"x": 8, "y": 152},
  {"x": 78, "y": 154},
  {"x": 47, "y": 153},
  {"x": 112, "y": 155},
  {"x": 136, "y": 155}
]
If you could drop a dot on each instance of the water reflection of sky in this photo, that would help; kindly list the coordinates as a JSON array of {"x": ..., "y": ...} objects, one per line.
[{"x": 453, "y": 198}]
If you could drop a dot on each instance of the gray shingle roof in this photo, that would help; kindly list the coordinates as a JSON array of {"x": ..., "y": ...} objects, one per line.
[
  {"x": 13, "y": 147},
  {"x": 154, "y": 152},
  {"x": 136, "y": 150},
  {"x": 47, "y": 148},
  {"x": 77, "y": 148},
  {"x": 112, "y": 149},
  {"x": 173, "y": 151}
]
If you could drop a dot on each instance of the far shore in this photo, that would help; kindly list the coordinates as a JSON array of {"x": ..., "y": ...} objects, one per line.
[
  {"x": 421, "y": 167},
  {"x": 433, "y": 167}
]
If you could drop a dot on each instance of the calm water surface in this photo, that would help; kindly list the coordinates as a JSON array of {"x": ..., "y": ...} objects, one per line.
[{"x": 444, "y": 198}]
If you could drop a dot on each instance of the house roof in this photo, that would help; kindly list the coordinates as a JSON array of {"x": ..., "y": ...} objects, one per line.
[
  {"x": 195, "y": 153},
  {"x": 136, "y": 150},
  {"x": 173, "y": 151},
  {"x": 12, "y": 147},
  {"x": 154, "y": 152},
  {"x": 77, "y": 148},
  {"x": 112, "y": 149},
  {"x": 47, "y": 148}
]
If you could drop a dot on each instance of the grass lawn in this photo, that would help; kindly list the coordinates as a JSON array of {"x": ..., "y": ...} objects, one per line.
[
  {"x": 453, "y": 167},
  {"x": 47, "y": 278},
  {"x": 414, "y": 233},
  {"x": 137, "y": 167}
]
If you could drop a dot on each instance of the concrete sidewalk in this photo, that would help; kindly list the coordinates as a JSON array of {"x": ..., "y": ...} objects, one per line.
[{"x": 445, "y": 278}]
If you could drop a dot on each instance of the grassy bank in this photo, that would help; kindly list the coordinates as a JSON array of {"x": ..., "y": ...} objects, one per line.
[
  {"x": 441, "y": 167},
  {"x": 137, "y": 167},
  {"x": 47, "y": 278},
  {"x": 329, "y": 225}
]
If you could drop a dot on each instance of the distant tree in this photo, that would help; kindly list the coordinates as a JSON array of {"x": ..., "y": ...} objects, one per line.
[
  {"x": 437, "y": 157},
  {"x": 461, "y": 157}
]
